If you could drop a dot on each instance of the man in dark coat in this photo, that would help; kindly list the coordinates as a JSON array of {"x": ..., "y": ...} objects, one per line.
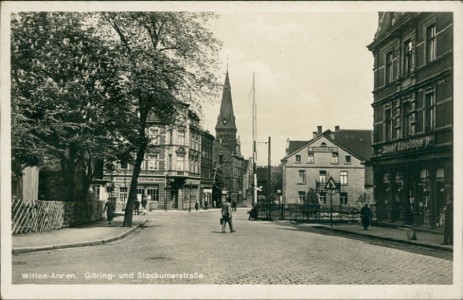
[
  {"x": 137, "y": 207},
  {"x": 365, "y": 214},
  {"x": 448, "y": 225}
]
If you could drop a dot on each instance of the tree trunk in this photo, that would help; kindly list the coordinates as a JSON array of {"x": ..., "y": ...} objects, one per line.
[{"x": 133, "y": 186}]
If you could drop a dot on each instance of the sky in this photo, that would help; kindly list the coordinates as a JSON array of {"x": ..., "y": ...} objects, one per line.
[{"x": 311, "y": 69}]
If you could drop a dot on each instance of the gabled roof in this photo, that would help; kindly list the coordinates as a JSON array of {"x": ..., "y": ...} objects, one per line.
[
  {"x": 296, "y": 145},
  {"x": 356, "y": 142}
]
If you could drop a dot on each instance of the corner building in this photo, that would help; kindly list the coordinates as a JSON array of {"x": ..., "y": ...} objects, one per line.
[{"x": 413, "y": 116}]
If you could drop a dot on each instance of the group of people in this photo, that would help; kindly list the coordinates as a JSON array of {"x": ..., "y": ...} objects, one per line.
[{"x": 136, "y": 206}]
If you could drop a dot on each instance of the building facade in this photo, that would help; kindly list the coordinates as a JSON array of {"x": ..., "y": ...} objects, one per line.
[
  {"x": 341, "y": 154},
  {"x": 207, "y": 168},
  {"x": 413, "y": 116},
  {"x": 227, "y": 149},
  {"x": 170, "y": 173}
]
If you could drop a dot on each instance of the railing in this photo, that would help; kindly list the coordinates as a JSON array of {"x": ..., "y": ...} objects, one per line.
[{"x": 309, "y": 212}]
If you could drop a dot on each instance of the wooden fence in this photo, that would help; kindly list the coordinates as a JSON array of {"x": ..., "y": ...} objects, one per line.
[{"x": 36, "y": 216}]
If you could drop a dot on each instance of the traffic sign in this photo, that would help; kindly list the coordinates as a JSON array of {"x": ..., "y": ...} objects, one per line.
[{"x": 331, "y": 185}]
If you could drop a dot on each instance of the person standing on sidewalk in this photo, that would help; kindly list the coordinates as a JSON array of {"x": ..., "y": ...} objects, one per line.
[
  {"x": 365, "y": 214},
  {"x": 143, "y": 204},
  {"x": 136, "y": 207},
  {"x": 227, "y": 215},
  {"x": 196, "y": 205},
  {"x": 448, "y": 223},
  {"x": 205, "y": 204},
  {"x": 109, "y": 208}
]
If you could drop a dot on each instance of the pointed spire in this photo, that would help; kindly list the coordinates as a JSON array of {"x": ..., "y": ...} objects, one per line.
[{"x": 226, "y": 117}]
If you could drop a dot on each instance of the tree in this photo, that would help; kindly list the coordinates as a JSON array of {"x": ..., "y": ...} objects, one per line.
[
  {"x": 168, "y": 59},
  {"x": 62, "y": 85}
]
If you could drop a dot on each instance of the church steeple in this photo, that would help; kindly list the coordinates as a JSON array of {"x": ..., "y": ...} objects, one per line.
[
  {"x": 226, "y": 119},
  {"x": 226, "y": 127}
]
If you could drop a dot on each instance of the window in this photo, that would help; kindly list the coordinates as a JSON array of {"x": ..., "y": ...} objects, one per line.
[
  {"x": 408, "y": 48},
  {"x": 311, "y": 158},
  {"x": 220, "y": 157},
  {"x": 301, "y": 176},
  {"x": 389, "y": 64},
  {"x": 298, "y": 158},
  {"x": 153, "y": 134},
  {"x": 348, "y": 159},
  {"x": 170, "y": 166},
  {"x": 429, "y": 111},
  {"x": 181, "y": 138},
  {"x": 343, "y": 177},
  {"x": 322, "y": 176},
  {"x": 96, "y": 191},
  {"x": 343, "y": 198},
  {"x": 335, "y": 158},
  {"x": 301, "y": 197},
  {"x": 180, "y": 163},
  {"x": 409, "y": 120},
  {"x": 388, "y": 124},
  {"x": 323, "y": 144},
  {"x": 152, "y": 162},
  {"x": 431, "y": 43},
  {"x": 398, "y": 126},
  {"x": 322, "y": 198},
  {"x": 153, "y": 193}
]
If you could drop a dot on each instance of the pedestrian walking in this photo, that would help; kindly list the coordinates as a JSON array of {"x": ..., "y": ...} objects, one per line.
[
  {"x": 214, "y": 204},
  {"x": 196, "y": 205},
  {"x": 227, "y": 215},
  {"x": 144, "y": 201},
  {"x": 234, "y": 205},
  {"x": 109, "y": 208},
  {"x": 137, "y": 207},
  {"x": 205, "y": 204},
  {"x": 365, "y": 214},
  {"x": 448, "y": 223}
]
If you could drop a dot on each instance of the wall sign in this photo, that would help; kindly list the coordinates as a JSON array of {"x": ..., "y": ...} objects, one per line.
[
  {"x": 411, "y": 144},
  {"x": 323, "y": 149}
]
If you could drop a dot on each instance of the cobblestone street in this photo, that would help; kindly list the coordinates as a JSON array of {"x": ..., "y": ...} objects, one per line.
[{"x": 191, "y": 245}]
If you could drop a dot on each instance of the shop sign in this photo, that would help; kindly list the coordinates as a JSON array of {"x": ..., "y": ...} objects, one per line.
[
  {"x": 411, "y": 144},
  {"x": 140, "y": 179},
  {"x": 323, "y": 149}
]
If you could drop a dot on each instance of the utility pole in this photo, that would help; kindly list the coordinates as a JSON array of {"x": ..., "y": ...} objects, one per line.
[
  {"x": 269, "y": 179},
  {"x": 254, "y": 137}
]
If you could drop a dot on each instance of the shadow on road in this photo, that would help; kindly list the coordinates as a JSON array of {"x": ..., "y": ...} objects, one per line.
[{"x": 372, "y": 241}]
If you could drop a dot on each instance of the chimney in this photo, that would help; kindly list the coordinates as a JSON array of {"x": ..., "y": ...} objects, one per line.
[
  {"x": 314, "y": 134},
  {"x": 319, "y": 128},
  {"x": 336, "y": 128}
]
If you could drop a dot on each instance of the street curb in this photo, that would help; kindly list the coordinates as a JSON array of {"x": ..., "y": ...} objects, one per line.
[
  {"x": 77, "y": 245},
  {"x": 437, "y": 247}
]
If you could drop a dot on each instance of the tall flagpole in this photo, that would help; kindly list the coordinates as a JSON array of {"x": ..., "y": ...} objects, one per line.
[{"x": 254, "y": 138}]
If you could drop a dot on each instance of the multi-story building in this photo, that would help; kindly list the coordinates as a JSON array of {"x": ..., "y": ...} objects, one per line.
[
  {"x": 227, "y": 150},
  {"x": 341, "y": 154},
  {"x": 207, "y": 168},
  {"x": 413, "y": 116},
  {"x": 170, "y": 173}
]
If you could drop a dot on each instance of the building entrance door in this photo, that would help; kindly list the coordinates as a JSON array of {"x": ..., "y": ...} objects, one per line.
[{"x": 174, "y": 199}]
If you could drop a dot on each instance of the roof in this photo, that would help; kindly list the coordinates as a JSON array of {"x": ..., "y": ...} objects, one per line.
[
  {"x": 295, "y": 145},
  {"x": 226, "y": 118},
  {"x": 356, "y": 141}
]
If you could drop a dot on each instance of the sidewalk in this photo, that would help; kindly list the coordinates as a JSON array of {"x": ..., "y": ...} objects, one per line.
[
  {"x": 423, "y": 238},
  {"x": 96, "y": 233}
]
